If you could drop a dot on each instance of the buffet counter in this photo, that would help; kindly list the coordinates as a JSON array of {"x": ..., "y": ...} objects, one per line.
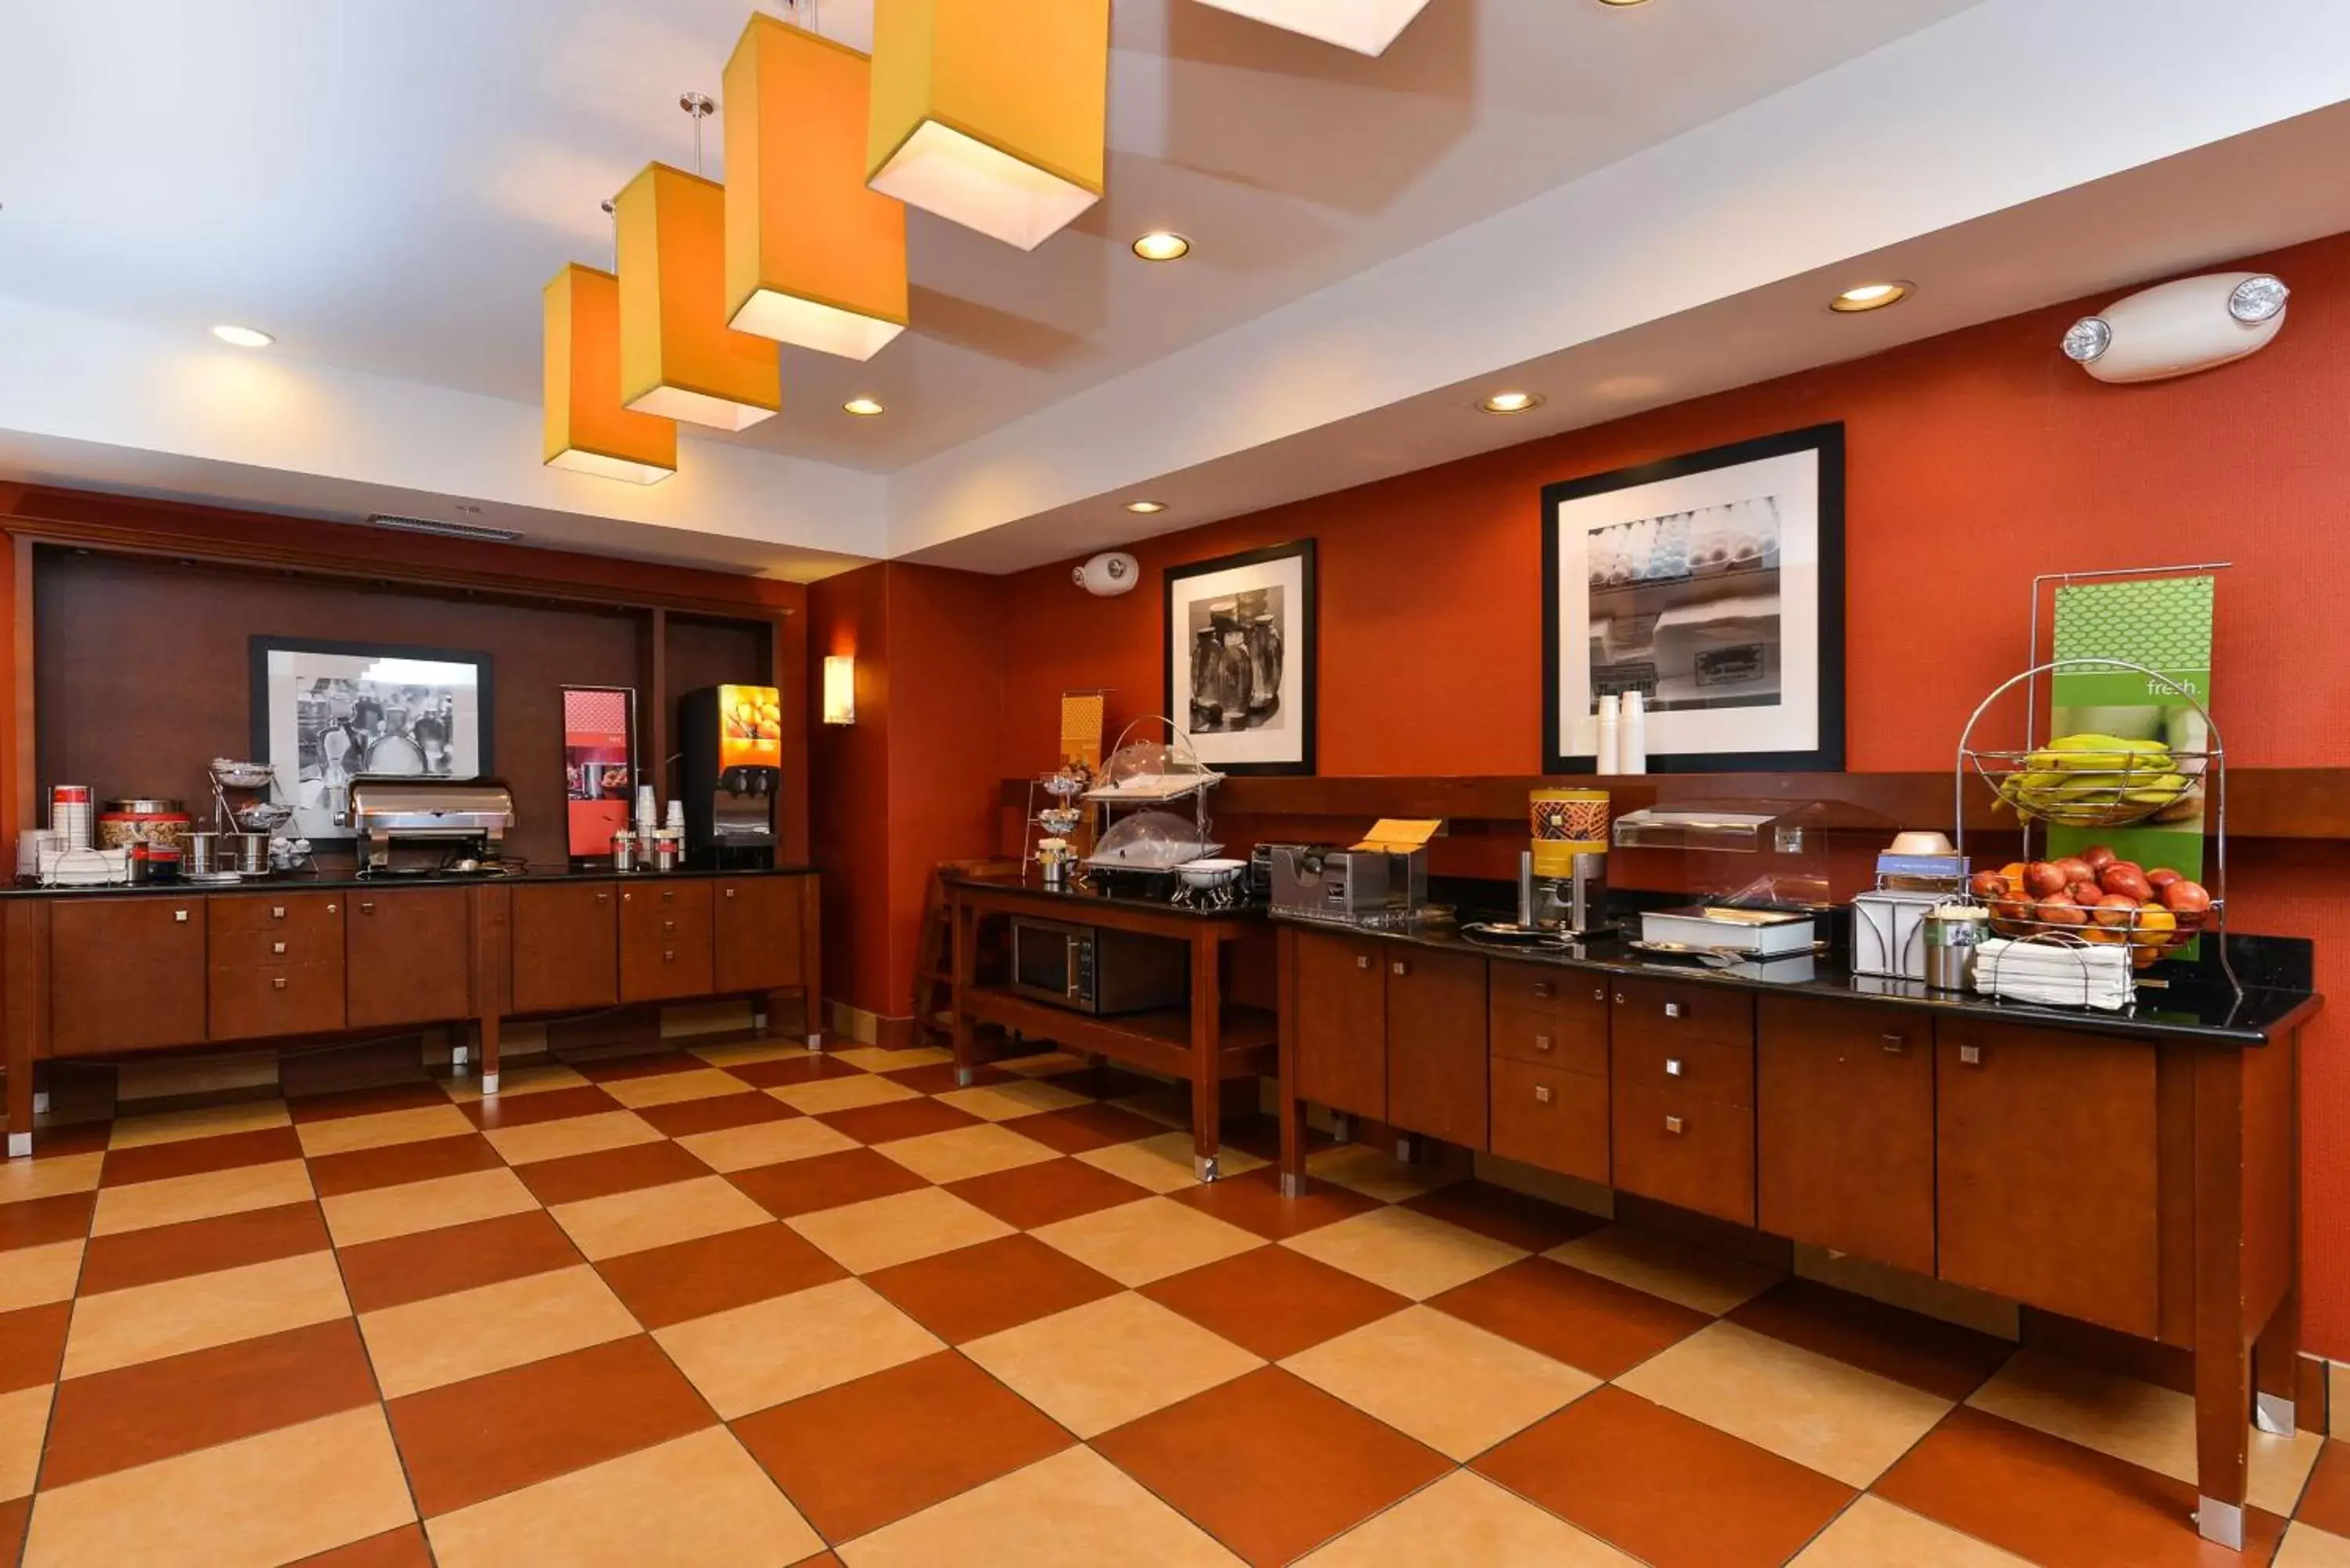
[
  {"x": 2135, "y": 1171},
  {"x": 110, "y": 971}
]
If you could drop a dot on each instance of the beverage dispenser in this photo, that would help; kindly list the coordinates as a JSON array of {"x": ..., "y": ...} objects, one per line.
[{"x": 729, "y": 775}]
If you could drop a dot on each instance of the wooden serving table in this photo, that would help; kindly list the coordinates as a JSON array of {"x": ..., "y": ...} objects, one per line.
[{"x": 1211, "y": 1041}]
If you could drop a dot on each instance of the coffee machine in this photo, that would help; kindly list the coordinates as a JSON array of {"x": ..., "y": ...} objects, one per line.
[{"x": 730, "y": 774}]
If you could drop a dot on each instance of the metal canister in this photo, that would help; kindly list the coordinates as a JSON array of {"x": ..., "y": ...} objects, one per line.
[
  {"x": 624, "y": 850},
  {"x": 203, "y": 853},
  {"x": 668, "y": 850},
  {"x": 1953, "y": 932}
]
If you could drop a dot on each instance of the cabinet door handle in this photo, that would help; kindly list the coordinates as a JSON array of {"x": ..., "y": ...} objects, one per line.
[
  {"x": 730, "y": 892},
  {"x": 1895, "y": 1044},
  {"x": 668, "y": 958},
  {"x": 1542, "y": 1094},
  {"x": 277, "y": 947},
  {"x": 1673, "y": 1125},
  {"x": 668, "y": 924},
  {"x": 628, "y": 898},
  {"x": 278, "y": 982},
  {"x": 367, "y": 906},
  {"x": 1672, "y": 1009},
  {"x": 1399, "y": 968},
  {"x": 669, "y": 895},
  {"x": 1674, "y": 1067},
  {"x": 1542, "y": 1042},
  {"x": 1971, "y": 1055},
  {"x": 1542, "y": 991},
  {"x": 331, "y": 909},
  {"x": 277, "y": 912},
  {"x": 1619, "y": 999},
  {"x": 603, "y": 898},
  {"x": 1362, "y": 960},
  {"x": 180, "y": 916},
  {"x": 1598, "y": 993}
]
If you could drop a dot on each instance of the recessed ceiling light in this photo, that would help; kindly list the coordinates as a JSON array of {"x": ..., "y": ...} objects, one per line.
[
  {"x": 1160, "y": 245},
  {"x": 1870, "y": 297},
  {"x": 1512, "y": 402},
  {"x": 1146, "y": 507},
  {"x": 1623, "y": 2},
  {"x": 243, "y": 337},
  {"x": 863, "y": 408}
]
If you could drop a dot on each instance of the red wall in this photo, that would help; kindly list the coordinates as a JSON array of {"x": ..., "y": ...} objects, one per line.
[
  {"x": 1975, "y": 460},
  {"x": 848, "y": 771}
]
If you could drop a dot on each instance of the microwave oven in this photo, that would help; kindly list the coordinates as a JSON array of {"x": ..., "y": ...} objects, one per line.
[{"x": 1092, "y": 970}]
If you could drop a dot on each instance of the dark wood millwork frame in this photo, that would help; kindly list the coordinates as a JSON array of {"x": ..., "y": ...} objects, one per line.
[{"x": 2134, "y": 1191}]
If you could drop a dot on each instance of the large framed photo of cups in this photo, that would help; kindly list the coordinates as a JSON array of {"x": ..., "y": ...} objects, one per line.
[
  {"x": 1240, "y": 633},
  {"x": 1712, "y": 585}
]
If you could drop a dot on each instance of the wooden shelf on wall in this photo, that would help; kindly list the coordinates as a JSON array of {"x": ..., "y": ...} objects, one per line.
[{"x": 2263, "y": 803}]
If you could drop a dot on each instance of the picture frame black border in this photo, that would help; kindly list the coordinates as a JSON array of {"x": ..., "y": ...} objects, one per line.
[
  {"x": 262, "y": 644},
  {"x": 1310, "y": 624},
  {"x": 1827, "y": 442}
]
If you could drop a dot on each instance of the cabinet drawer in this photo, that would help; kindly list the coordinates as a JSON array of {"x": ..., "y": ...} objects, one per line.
[
  {"x": 1538, "y": 988},
  {"x": 1552, "y": 1119},
  {"x": 307, "y": 941},
  {"x": 1570, "y": 1040},
  {"x": 1679, "y": 1010},
  {"x": 231, "y": 914},
  {"x": 665, "y": 942},
  {"x": 254, "y": 1001},
  {"x": 1703, "y": 1069},
  {"x": 1690, "y": 1152}
]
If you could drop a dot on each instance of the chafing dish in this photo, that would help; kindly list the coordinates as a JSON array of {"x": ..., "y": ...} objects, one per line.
[{"x": 388, "y": 812}]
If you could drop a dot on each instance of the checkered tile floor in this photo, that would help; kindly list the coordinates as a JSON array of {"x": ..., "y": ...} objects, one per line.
[{"x": 742, "y": 1305}]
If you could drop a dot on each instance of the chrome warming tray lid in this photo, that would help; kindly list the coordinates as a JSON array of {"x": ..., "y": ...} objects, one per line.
[{"x": 444, "y": 808}]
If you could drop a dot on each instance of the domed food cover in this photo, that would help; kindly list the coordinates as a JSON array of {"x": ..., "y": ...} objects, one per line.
[
  {"x": 1151, "y": 841},
  {"x": 1151, "y": 771}
]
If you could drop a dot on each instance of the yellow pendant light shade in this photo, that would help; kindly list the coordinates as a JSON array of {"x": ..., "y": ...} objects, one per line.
[
  {"x": 588, "y": 431},
  {"x": 991, "y": 112},
  {"x": 813, "y": 257},
  {"x": 1365, "y": 26},
  {"x": 678, "y": 358}
]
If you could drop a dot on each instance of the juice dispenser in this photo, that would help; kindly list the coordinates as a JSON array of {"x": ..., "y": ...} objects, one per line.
[{"x": 730, "y": 774}]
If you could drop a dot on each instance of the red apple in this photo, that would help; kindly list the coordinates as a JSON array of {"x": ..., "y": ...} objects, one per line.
[
  {"x": 2098, "y": 856},
  {"x": 2162, "y": 877},
  {"x": 2075, "y": 869},
  {"x": 2115, "y": 910},
  {"x": 2059, "y": 910},
  {"x": 2128, "y": 881},
  {"x": 2084, "y": 894},
  {"x": 1989, "y": 885},
  {"x": 2188, "y": 900},
  {"x": 2040, "y": 880}
]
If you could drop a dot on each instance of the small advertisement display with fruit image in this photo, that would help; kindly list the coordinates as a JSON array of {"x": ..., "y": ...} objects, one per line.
[{"x": 750, "y": 727}]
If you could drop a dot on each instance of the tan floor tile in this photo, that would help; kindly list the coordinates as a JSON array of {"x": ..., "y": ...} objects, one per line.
[
  {"x": 2306, "y": 1546},
  {"x": 203, "y": 1195},
  {"x": 962, "y": 1152},
  {"x": 1701, "y": 1280},
  {"x": 1002, "y": 1102},
  {"x": 2337, "y": 1396},
  {"x": 36, "y": 1276},
  {"x": 446, "y": 1339},
  {"x": 23, "y": 1423},
  {"x": 1466, "y": 1521},
  {"x": 1076, "y": 1509},
  {"x": 383, "y": 1211},
  {"x": 1407, "y": 1253},
  {"x": 841, "y": 1093},
  {"x": 1375, "y": 1174},
  {"x": 697, "y": 1501},
  {"x": 534, "y": 1141},
  {"x": 2138, "y": 1422},
  {"x": 875, "y": 1059},
  {"x": 750, "y": 1358},
  {"x": 529, "y": 1080},
  {"x": 202, "y": 1121},
  {"x": 1163, "y": 1163},
  {"x": 898, "y": 1228},
  {"x": 1109, "y": 1362},
  {"x": 1455, "y": 1387},
  {"x": 1821, "y": 1413},
  {"x": 1151, "y": 1239},
  {"x": 765, "y": 1143},
  {"x": 148, "y": 1321},
  {"x": 1873, "y": 1533},
  {"x": 623, "y": 1222},
  {"x": 343, "y": 1134},
  {"x": 22, "y": 1180},
  {"x": 253, "y": 1503},
  {"x": 670, "y": 1088}
]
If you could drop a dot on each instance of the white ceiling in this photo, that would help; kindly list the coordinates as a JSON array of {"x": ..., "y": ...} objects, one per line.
[
  {"x": 384, "y": 184},
  {"x": 1634, "y": 205}
]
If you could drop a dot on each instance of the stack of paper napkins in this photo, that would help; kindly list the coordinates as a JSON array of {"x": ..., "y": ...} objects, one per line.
[{"x": 2087, "y": 976}]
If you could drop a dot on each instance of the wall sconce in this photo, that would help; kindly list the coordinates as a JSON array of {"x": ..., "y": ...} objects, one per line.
[{"x": 840, "y": 688}]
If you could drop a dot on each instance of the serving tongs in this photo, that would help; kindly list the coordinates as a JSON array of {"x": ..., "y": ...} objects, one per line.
[{"x": 1725, "y": 958}]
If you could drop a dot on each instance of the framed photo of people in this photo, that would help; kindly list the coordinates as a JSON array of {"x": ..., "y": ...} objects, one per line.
[
  {"x": 324, "y": 714},
  {"x": 1712, "y": 585},
  {"x": 1240, "y": 634}
]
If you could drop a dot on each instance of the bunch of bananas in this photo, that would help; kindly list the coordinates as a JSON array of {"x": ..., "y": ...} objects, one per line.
[{"x": 2097, "y": 781}]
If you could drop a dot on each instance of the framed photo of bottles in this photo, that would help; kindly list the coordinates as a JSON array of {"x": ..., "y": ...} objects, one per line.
[
  {"x": 1712, "y": 585},
  {"x": 1240, "y": 633}
]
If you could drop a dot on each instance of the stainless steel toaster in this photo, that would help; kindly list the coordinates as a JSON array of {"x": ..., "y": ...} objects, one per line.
[{"x": 1357, "y": 886}]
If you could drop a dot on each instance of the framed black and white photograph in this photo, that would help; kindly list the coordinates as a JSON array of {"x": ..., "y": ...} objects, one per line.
[
  {"x": 1240, "y": 659},
  {"x": 324, "y": 713},
  {"x": 1712, "y": 585}
]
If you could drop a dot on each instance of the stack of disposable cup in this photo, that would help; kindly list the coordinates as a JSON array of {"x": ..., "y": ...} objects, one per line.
[{"x": 72, "y": 813}]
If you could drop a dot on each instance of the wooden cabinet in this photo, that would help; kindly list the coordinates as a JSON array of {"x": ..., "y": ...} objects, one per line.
[
  {"x": 758, "y": 931},
  {"x": 1341, "y": 1021},
  {"x": 2046, "y": 1170},
  {"x": 1678, "y": 1149},
  {"x": 1550, "y": 1018},
  {"x": 1682, "y": 1062},
  {"x": 665, "y": 941},
  {"x": 1436, "y": 1050},
  {"x": 1549, "y": 1117},
  {"x": 565, "y": 947},
  {"x": 1844, "y": 1128},
  {"x": 276, "y": 964},
  {"x": 125, "y": 973},
  {"x": 407, "y": 957}
]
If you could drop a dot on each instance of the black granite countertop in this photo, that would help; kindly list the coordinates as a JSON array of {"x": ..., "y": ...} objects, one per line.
[
  {"x": 2196, "y": 1004},
  {"x": 1083, "y": 896},
  {"x": 345, "y": 877}
]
